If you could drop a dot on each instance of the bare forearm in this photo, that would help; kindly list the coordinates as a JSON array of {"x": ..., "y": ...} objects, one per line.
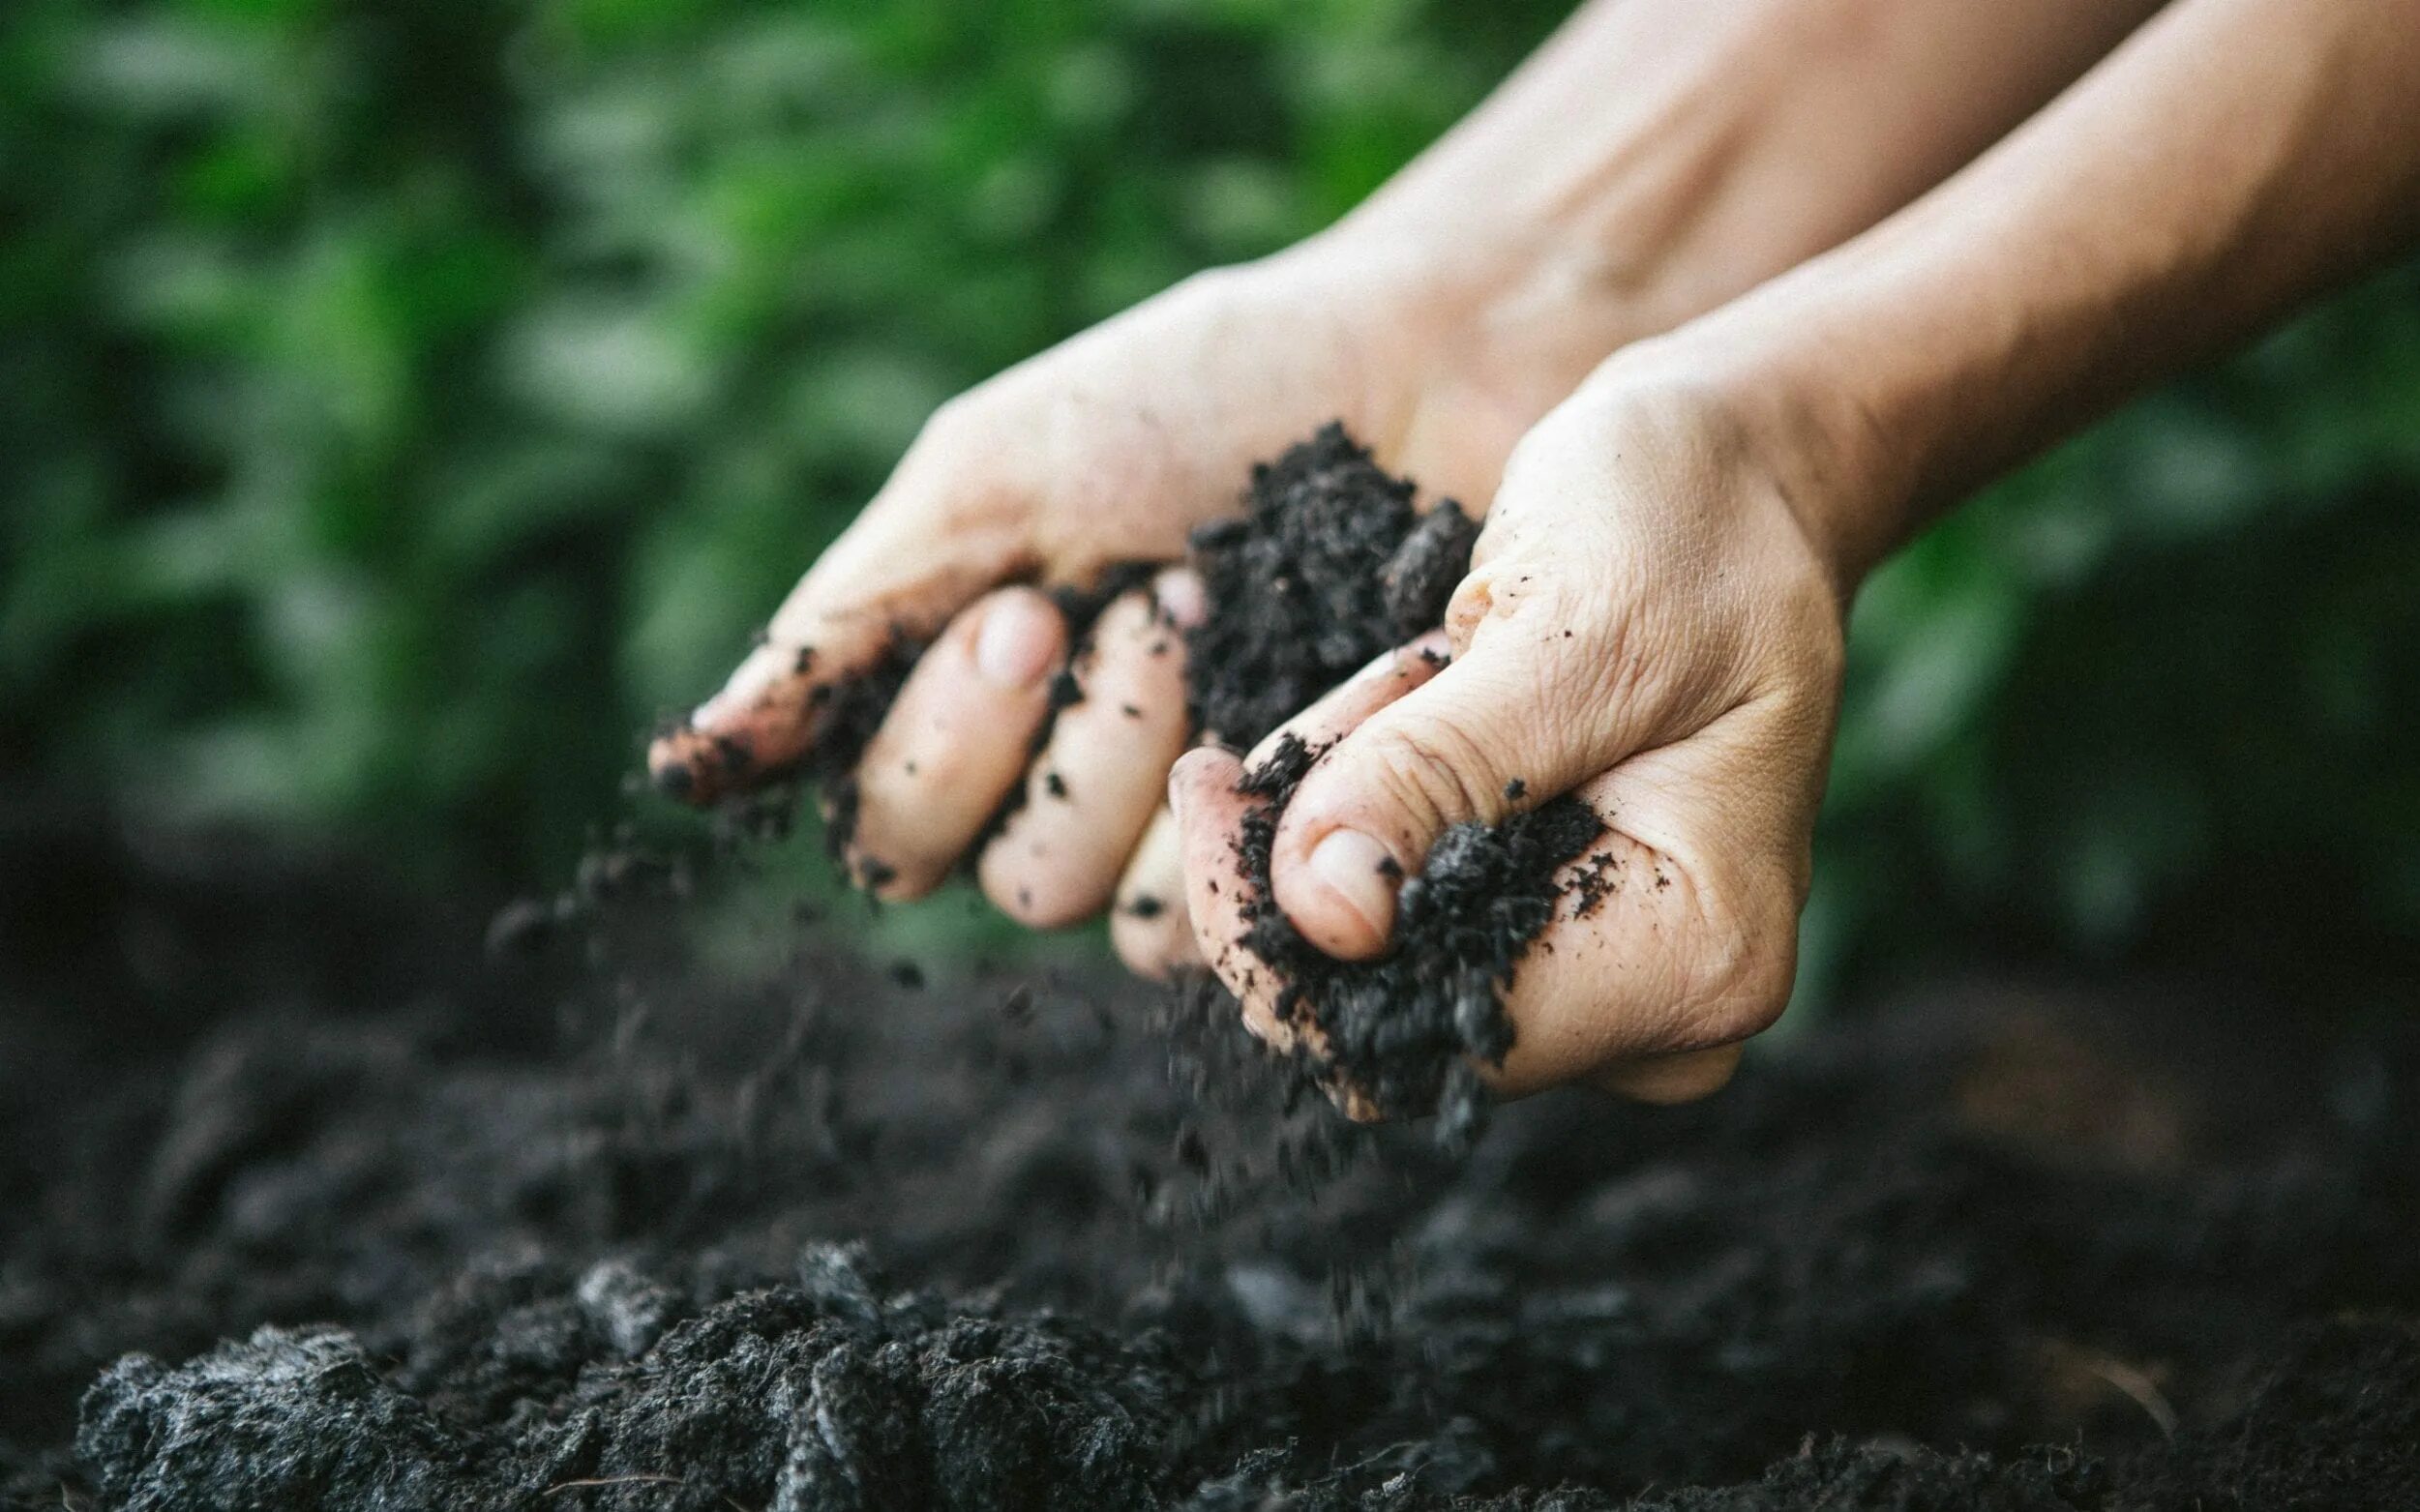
[
  {"x": 1658, "y": 156},
  {"x": 2233, "y": 159}
]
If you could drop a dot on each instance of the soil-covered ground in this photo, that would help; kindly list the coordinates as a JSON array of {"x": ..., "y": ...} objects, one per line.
[{"x": 307, "y": 1206}]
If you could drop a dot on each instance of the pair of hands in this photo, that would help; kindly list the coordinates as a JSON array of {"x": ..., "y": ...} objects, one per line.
[
  {"x": 1881, "y": 287},
  {"x": 1646, "y": 623}
]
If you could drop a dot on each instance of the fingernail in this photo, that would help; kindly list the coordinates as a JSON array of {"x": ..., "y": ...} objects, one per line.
[
  {"x": 1363, "y": 873},
  {"x": 1183, "y": 775},
  {"x": 1018, "y": 642},
  {"x": 1181, "y": 596}
]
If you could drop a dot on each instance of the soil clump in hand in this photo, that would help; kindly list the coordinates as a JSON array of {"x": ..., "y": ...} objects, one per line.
[
  {"x": 1328, "y": 566},
  {"x": 1401, "y": 1033}
]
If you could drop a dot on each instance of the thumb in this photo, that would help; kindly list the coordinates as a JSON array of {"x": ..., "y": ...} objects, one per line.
[{"x": 1505, "y": 727}]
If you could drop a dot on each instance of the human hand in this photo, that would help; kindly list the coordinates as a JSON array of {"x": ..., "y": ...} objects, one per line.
[
  {"x": 1647, "y": 624},
  {"x": 1105, "y": 451}
]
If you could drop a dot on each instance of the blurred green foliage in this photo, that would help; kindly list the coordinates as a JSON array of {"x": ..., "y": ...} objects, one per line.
[{"x": 404, "y": 401}]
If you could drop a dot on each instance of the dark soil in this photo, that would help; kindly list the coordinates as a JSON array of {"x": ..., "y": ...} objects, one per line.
[
  {"x": 1328, "y": 566},
  {"x": 390, "y": 1230},
  {"x": 852, "y": 709}
]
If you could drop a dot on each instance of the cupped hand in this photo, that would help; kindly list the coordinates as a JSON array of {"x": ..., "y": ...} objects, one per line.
[
  {"x": 1105, "y": 451},
  {"x": 1647, "y": 624}
]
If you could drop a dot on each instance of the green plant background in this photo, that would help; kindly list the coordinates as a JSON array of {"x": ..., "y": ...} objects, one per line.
[{"x": 407, "y": 401}]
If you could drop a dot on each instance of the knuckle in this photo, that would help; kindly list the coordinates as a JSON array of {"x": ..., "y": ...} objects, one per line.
[
  {"x": 945, "y": 444},
  {"x": 952, "y": 473},
  {"x": 1214, "y": 285},
  {"x": 954, "y": 424},
  {"x": 1749, "y": 968},
  {"x": 1614, "y": 664},
  {"x": 1432, "y": 769}
]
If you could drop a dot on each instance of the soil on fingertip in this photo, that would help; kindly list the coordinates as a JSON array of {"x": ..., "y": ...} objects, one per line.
[{"x": 308, "y": 1210}]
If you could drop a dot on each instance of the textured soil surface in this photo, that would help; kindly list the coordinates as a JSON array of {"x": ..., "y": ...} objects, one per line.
[
  {"x": 306, "y": 1208},
  {"x": 1329, "y": 565}
]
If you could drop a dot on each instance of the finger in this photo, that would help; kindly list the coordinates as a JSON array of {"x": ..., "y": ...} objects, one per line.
[
  {"x": 1510, "y": 722},
  {"x": 1212, "y": 818},
  {"x": 894, "y": 573},
  {"x": 1678, "y": 931},
  {"x": 1104, "y": 771},
  {"x": 955, "y": 742},
  {"x": 1343, "y": 708},
  {"x": 1149, "y": 925},
  {"x": 1209, "y": 817}
]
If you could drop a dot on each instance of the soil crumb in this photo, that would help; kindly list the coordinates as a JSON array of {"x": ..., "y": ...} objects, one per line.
[{"x": 1328, "y": 566}]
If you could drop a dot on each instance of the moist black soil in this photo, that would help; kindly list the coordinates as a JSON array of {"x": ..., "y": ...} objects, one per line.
[
  {"x": 849, "y": 710},
  {"x": 307, "y": 1208},
  {"x": 1329, "y": 565}
]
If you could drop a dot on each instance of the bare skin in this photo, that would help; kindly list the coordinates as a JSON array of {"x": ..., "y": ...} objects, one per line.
[
  {"x": 1656, "y": 158},
  {"x": 1654, "y": 615}
]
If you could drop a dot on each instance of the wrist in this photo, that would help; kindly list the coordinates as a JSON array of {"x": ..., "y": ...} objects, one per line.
[
  {"x": 1778, "y": 407},
  {"x": 1521, "y": 311}
]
